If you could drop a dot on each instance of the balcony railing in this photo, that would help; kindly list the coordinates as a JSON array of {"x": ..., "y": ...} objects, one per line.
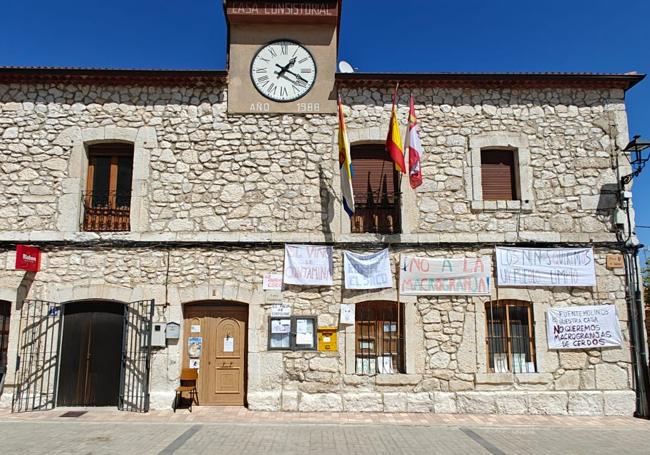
[
  {"x": 106, "y": 211},
  {"x": 379, "y": 219}
]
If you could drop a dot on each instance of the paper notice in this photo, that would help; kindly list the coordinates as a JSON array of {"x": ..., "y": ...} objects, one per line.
[{"x": 228, "y": 344}]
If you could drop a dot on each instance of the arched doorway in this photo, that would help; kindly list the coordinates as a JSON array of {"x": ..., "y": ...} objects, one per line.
[
  {"x": 215, "y": 339},
  {"x": 91, "y": 352}
]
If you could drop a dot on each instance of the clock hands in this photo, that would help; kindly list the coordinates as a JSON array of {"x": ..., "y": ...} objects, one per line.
[
  {"x": 285, "y": 68},
  {"x": 298, "y": 78}
]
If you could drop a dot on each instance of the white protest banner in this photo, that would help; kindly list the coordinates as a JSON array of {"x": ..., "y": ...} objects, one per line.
[
  {"x": 545, "y": 267},
  {"x": 429, "y": 276},
  {"x": 308, "y": 265},
  {"x": 347, "y": 313},
  {"x": 367, "y": 271},
  {"x": 583, "y": 327},
  {"x": 272, "y": 282}
]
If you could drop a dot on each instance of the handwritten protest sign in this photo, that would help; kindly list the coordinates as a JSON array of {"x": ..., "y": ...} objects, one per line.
[
  {"x": 272, "y": 282},
  {"x": 429, "y": 276},
  {"x": 308, "y": 265},
  {"x": 367, "y": 271},
  {"x": 583, "y": 327},
  {"x": 545, "y": 267}
]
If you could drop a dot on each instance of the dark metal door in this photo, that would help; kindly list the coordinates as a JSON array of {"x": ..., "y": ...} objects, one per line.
[
  {"x": 136, "y": 356},
  {"x": 91, "y": 350},
  {"x": 38, "y": 356}
]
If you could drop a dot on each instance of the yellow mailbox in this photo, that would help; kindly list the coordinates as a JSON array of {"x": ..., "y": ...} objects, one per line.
[{"x": 327, "y": 339}]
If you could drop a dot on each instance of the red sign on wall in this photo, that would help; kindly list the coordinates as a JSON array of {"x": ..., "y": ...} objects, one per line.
[{"x": 28, "y": 258}]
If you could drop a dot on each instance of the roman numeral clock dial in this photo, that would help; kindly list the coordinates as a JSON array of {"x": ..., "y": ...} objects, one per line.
[{"x": 283, "y": 71}]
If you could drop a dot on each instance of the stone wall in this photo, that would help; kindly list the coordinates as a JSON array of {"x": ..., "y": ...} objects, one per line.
[
  {"x": 240, "y": 186},
  {"x": 210, "y": 172},
  {"x": 447, "y": 370}
]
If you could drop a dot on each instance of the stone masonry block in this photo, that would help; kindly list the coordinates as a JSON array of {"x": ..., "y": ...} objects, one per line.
[
  {"x": 362, "y": 402},
  {"x": 476, "y": 402},
  {"x": 547, "y": 403},
  {"x": 313, "y": 402},
  {"x": 395, "y": 402},
  {"x": 620, "y": 403},
  {"x": 264, "y": 401},
  {"x": 586, "y": 403}
]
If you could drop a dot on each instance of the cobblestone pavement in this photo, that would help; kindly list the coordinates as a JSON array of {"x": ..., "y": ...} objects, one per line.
[{"x": 104, "y": 432}]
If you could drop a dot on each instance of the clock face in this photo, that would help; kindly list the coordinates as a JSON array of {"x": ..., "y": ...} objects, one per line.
[{"x": 283, "y": 71}]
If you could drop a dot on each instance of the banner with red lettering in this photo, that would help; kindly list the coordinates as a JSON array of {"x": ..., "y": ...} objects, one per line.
[
  {"x": 583, "y": 327},
  {"x": 446, "y": 276},
  {"x": 308, "y": 265}
]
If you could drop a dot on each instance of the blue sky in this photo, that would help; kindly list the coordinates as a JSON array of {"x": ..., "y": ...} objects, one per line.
[{"x": 379, "y": 35}]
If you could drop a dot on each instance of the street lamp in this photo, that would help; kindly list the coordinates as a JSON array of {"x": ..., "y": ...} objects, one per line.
[{"x": 634, "y": 152}]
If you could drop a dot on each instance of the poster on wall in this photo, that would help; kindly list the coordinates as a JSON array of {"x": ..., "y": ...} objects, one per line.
[
  {"x": 367, "y": 271},
  {"x": 280, "y": 310},
  {"x": 545, "y": 266},
  {"x": 194, "y": 346},
  {"x": 272, "y": 282},
  {"x": 584, "y": 327},
  {"x": 347, "y": 313},
  {"x": 444, "y": 276},
  {"x": 308, "y": 265}
]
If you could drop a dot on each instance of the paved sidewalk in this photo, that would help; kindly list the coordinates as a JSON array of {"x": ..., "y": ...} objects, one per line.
[{"x": 236, "y": 431}]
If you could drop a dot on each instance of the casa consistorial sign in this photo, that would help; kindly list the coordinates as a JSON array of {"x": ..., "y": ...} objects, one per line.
[{"x": 242, "y": 9}]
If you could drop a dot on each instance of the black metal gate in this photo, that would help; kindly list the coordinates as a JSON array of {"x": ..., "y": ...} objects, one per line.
[
  {"x": 136, "y": 356},
  {"x": 38, "y": 356}
]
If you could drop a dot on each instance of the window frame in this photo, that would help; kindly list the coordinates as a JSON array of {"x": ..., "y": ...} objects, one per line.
[
  {"x": 293, "y": 346},
  {"x": 366, "y": 151},
  {"x": 376, "y": 335},
  {"x": 507, "y": 337},
  {"x": 500, "y": 140},
  {"x": 115, "y": 151}
]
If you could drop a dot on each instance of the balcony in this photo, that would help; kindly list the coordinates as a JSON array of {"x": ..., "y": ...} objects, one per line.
[
  {"x": 376, "y": 219},
  {"x": 106, "y": 211}
]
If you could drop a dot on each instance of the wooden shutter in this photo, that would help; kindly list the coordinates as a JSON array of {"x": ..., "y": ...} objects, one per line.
[
  {"x": 498, "y": 175},
  {"x": 376, "y": 192},
  {"x": 374, "y": 175}
]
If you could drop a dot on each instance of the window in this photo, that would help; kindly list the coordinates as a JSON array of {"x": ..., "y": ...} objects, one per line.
[
  {"x": 107, "y": 201},
  {"x": 379, "y": 338},
  {"x": 297, "y": 333},
  {"x": 498, "y": 175},
  {"x": 376, "y": 191},
  {"x": 5, "y": 308},
  {"x": 510, "y": 339}
]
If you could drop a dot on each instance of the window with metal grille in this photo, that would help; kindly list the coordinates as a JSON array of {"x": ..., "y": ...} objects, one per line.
[
  {"x": 5, "y": 309},
  {"x": 498, "y": 175},
  {"x": 379, "y": 338},
  {"x": 107, "y": 200},
  {"x": 376, "y": 191},
  {"x": 510, "y": 337}
]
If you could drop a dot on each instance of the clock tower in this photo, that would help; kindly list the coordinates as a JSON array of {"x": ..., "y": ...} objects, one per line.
[{"x": 282, "y": 56}]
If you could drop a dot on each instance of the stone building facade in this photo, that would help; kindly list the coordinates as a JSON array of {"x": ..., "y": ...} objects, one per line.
[{"x": 216, "y": 196}]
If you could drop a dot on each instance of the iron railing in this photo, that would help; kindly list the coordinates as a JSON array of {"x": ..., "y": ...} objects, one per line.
[
  {"x": 376, "y": 218},
  {"x": 106, "y": 211}
]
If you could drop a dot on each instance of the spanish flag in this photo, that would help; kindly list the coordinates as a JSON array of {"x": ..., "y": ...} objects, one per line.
[
  {"x": 345, "y": 163},
  {"x": 394, "y": 140}
]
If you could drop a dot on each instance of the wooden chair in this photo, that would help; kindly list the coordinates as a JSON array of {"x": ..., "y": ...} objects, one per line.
[{"x": 189, "y": 377}]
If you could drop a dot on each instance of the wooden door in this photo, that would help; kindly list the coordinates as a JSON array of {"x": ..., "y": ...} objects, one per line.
[
  {"x": 91, "y": 351},
  {"x": 222, "y": 367}
]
